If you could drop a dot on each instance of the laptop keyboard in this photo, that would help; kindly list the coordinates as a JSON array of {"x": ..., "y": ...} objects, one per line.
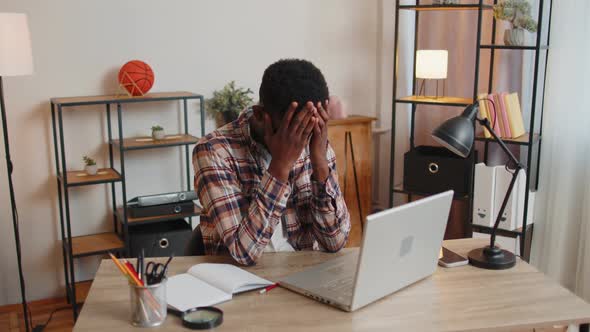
[{"x": 342, "y": 286}]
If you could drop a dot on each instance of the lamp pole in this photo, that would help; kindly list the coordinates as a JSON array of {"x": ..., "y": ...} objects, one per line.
[{"x": 13, "y": 208}]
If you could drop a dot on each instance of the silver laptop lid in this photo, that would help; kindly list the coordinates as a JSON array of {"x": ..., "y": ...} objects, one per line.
[{"x": 400, "y": 246}]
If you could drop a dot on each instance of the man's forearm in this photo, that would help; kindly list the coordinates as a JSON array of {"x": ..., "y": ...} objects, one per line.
[
  {"x": 320, "y": 168},
  {"x": 330, "y": 217}
]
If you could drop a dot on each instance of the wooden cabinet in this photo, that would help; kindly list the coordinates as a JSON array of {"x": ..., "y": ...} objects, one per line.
[{"x": 360, "y": 131}]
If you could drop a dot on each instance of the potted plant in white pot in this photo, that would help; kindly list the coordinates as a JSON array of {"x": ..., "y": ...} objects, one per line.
[
  {"x": 518, "y": 14},
  {"x": 91, "y": 168},
  {"x": 227, "y": 103},
  {"x": 158, "y": 132}
]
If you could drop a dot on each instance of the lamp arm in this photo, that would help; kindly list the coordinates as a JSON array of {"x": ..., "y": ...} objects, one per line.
[{"x": 486, "y": 123}]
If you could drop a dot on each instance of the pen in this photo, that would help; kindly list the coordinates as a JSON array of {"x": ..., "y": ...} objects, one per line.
[
  {"x": 269, "y": 288},
  {"x": 132, "y": 272}
]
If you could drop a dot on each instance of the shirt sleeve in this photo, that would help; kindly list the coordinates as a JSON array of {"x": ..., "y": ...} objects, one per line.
[
  {"x": 244, "y": 224},
  {"x": 328, "y": 220}
]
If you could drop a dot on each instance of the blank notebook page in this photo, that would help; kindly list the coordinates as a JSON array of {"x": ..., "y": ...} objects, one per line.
[
  {"x": 229, "y": 278},
  {"x": 185, "y": 292}
]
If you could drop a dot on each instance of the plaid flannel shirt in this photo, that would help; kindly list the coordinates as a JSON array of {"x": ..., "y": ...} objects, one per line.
[{"x": 243, "y": 203}]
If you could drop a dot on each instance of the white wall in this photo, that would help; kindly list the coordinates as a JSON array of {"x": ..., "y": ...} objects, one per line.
[{"x": 192, "y": 45}]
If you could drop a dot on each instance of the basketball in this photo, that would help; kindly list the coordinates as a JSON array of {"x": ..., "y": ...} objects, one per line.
[{"x": 136, "y": 77}]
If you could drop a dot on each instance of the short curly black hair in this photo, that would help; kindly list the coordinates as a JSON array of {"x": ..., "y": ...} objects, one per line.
[{"x": 289, "y": 80}]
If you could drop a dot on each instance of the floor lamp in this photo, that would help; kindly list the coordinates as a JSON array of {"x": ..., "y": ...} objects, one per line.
[{"x": 15, "y": 60}]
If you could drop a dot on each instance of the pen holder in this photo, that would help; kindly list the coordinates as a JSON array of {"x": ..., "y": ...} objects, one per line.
[{"x": 148, "y": 304}]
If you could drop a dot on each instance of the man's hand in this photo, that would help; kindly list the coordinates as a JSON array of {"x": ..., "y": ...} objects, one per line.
[
  {"x": 286, "y": 144},
  {"x": 319, "y": 144}
]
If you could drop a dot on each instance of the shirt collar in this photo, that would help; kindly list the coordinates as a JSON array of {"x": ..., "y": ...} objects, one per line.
[{"x": 246, "y": 132}]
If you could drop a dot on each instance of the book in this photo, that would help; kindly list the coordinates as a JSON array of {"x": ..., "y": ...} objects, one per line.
[
  {"x": 483, "y": 112},
  {"x": 503, "y": 112},
  {"x": 514, "y": 115},
  {"x": 483, "y": 195},
  {"x": 493, "y": 114},
  {"x": 499, "y": 117},
  {"x": 208, "y": 284}
]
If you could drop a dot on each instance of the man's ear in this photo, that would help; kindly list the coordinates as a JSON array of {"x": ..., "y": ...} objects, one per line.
[{"x": 258, "y": 113}]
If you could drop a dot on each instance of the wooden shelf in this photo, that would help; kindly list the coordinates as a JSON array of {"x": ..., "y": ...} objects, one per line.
[
  {"x": 444, "y": 7},
  {"x": 147, "y": 142},
  {"x": 81, "y": 178},
  {"x": 441, "y": 101},
  {"x": 399, "y": 189},
  {"x": 88, "y": 245},
  {"x": 82, "y": 289},
  {"x": 510, "y": 47},
  {"x": 520, "y": 140},
  {"x": 122, "y": 99},
  {"x": 165, "y": 217}
]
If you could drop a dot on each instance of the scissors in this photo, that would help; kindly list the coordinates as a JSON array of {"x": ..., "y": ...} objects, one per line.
[{"x": 155, "y": 272}]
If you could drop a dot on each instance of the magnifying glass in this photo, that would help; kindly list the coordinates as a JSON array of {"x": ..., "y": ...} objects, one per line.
[{"x": 201, "y": 318}]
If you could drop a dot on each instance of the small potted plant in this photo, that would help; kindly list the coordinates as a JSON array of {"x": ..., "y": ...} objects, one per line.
[
  {"x": 518, "y": 14},
  {"x": 91, "y": 168},
  {"x": 158, "y": 132},
  {"x": 227, "y": 103}
]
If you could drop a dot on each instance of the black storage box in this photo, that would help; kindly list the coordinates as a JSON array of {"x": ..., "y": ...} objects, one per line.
[
  {"x": 431, "y": 170},
  {"x": 160, "y": 239}
]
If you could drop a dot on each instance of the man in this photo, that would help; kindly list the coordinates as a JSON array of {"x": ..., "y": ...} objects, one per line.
[{"x": 267, "y": 181}]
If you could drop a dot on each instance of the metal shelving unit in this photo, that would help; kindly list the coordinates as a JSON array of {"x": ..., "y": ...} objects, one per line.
[
  {"x": 116, "y": 241},
  {"x": 531, "y": 140}
]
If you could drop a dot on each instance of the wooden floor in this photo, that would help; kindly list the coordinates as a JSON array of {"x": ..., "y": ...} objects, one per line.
[
  {"x": 11, "y": 318},
  {"x": 62, "y": 321}
]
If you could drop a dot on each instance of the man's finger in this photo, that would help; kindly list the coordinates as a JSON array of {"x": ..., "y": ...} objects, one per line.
[
  {"x": 301, "y": 120},
  {"x": 309, "y": 127},
  {"x": 323, "y": 112},
  {"x": 268, "y": 132},
  {"x": 286, "y": 123}
]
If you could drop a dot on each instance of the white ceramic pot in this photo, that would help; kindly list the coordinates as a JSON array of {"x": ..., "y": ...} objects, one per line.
[
  {"x": 514, "y": 37},
  {"x": 158, "y": 134},
  {"x": 92, "y": 169}
]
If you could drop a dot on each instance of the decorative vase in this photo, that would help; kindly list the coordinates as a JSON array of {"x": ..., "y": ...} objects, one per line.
[
  {"x": 514, "y": 37},
  {"x": 91, "y": 169},
  {"x": 158, "y": 134}
]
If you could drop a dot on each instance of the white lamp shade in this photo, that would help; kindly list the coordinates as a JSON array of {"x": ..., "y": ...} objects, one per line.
[
  {"x": 16, "y": 57},
  {"x": 432, "y": 64}
]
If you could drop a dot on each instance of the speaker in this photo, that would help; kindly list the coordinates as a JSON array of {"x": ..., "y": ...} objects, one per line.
[
  {"x": 160, "y": 239},
  {"x": 169, "y": 198},
  {"x": 136, "y": 211}
]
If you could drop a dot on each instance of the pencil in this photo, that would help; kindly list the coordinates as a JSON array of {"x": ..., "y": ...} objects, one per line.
[
  {"x": 132, "y": 273},
  {"x": 132, "y": 279}
]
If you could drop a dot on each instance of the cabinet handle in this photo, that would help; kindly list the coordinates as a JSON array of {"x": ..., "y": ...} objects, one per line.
[{"x": 433, "y": 168}]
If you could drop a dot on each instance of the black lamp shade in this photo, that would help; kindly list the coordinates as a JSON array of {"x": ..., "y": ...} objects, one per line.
[{"x": 457, "y": 134}]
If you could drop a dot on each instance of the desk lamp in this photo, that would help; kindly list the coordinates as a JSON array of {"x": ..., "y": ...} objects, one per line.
[
  {"x": 457, "y": 134},
  {"x": 15, "y": 60}
]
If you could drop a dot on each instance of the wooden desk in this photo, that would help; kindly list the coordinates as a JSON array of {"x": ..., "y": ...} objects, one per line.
[{"x": 457, "y": 299}]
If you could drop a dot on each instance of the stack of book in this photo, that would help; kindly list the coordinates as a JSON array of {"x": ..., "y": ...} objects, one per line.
[{"x": 503, "y": 112}]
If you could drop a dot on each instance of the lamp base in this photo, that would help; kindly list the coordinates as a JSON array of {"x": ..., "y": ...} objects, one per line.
[{"x": 492, "y": 258}]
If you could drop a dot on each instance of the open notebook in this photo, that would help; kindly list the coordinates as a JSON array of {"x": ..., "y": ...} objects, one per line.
[{"x": 207, "y": 284}]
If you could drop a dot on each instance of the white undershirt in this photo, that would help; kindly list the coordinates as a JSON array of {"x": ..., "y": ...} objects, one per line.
[{"x": 278, "y": 241}]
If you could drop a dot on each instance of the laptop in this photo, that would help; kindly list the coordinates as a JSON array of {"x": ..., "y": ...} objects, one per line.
[{"x": 400, "y": 246}]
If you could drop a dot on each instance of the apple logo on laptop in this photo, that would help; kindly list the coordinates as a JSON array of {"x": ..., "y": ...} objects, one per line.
[{"x": 406, "y": 246}]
